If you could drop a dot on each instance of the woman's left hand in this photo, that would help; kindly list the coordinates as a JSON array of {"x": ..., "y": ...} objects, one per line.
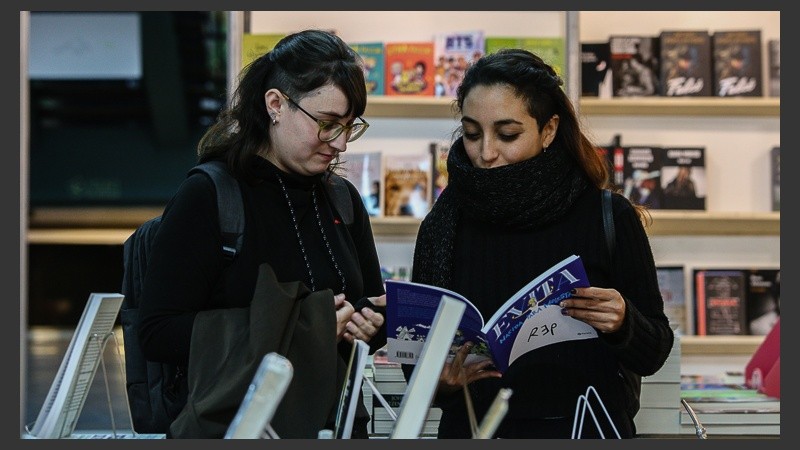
[
  {"x": 365, "y": 323},
  {"x": 601, "y": 308}
]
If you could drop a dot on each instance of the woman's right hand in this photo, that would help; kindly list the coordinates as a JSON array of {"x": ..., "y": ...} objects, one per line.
[
  {"x": 455, "y": 374},
  {"x": 343, "y": 312}
]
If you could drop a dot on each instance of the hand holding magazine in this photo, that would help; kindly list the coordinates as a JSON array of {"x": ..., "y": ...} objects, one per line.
[{"x": 530, "y": 319}]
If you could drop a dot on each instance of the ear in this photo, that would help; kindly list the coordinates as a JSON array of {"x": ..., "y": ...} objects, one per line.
[
  {"x": 549, "y": 131},
  {"x": 273, "y": 101}
]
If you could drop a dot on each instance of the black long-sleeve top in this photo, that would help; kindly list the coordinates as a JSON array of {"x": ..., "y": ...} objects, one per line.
[
  {"x": 491, "y": 263},
  {"x": 186, "y": 271}
]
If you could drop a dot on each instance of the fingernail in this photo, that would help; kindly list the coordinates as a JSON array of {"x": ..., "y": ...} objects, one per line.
[
  {"x": 563, "y": 304},
  {"x": 573, "y": 291},
  {"x": 564, "y": 312}
]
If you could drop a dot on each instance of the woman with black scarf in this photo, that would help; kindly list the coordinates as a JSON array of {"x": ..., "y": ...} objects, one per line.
[{"x": 524, "y": 192}]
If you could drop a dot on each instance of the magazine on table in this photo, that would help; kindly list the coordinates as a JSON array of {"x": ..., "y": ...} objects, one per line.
[{"x": 529, "y": 319}]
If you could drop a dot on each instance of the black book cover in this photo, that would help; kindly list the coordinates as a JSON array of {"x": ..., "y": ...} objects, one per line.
[
  {"x": 762, "y": 299},
  {"x": 642, "y": 176},
  {"x": 775, "y": 177},
  {"x": 683, "y": 178},
  {"x": 634, "y": 66},
  {"x": 595, "y": 69},
  {"x": 720, "y": 302},
  {"x": 737, "y": 63},
  {"x": 774, "y": 71},
  {"x": 686, "y": 64}
]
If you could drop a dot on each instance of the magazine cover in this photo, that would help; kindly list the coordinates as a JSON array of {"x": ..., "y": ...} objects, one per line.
[
  {"x": 551, "y": 49},
  {"x": 737, "y": 63},
  {"x": 374, "y": 65},
  {"x": 453, "y": 52},
  {"x": 409, "y": 68},
  {"x": 683, "y": 178},
  {"x": 686, "y": 64},
  {"x": 364, "y": 171},
  {"x": 527, "y": 320}
]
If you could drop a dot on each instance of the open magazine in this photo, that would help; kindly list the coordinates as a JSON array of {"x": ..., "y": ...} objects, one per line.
[{"x": 530, "y": 319}]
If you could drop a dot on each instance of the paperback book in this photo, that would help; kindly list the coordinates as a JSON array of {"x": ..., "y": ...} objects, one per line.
[
  {"x": 634, "y": 65},
  {"x": 409, "y": 68},
  {"x": 407, "y": 184},
  {"x": 686, "y": 63},
  {"x": 528, "y": 320},
  {"x": 737, "y": 63},
  {"x": 775, "y": 177},
  {"x": 683, "y": 178},
  {"x": 642, "y": 176},
  {"x": 720, "y": 302},
  {"x": 453, "y": 52},
  {"x": 774, "y": 67},
  {"x": 364, "y": 171},
  {"x": 762, "y": 304},
  {"x": 595, "y": 69},
  {"x": 374, "y": 65},
  {"x": 672, "y": 287},
  {"x": 440, "y": 150},
  {"x": 551, "y": 49}
]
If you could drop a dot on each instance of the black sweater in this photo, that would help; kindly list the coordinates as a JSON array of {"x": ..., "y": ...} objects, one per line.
[
  {"x": 186, "y": 271},
  {"x": 491, "y": 263}
]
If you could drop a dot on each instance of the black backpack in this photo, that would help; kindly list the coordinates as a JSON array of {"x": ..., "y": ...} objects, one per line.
[
  {"x": 157, "y": 391},
  {"x": 633, "y": 381}
]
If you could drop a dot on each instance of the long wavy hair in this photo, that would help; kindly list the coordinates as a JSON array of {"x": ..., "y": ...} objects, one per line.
[{"x": 299, "y": 63}]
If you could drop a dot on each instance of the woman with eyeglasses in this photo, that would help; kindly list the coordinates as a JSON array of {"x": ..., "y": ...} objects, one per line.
[{"x": 294, "y": 112}]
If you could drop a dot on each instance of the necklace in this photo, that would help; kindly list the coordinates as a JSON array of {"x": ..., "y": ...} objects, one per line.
[{"x": 300, "y": 238}]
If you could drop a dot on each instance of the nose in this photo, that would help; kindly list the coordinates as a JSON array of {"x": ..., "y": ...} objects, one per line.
[
  {"x": 340, "y": 143},
  {"x": 489, "y": 151}
]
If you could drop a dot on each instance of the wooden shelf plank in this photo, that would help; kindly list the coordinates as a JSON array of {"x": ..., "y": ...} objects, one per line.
[
  {"x": 686, "y": 106},
  {"x": 431, "y": 107},
  {"x": 106, "y": 225},
  {"x": 720, "y": 345}
]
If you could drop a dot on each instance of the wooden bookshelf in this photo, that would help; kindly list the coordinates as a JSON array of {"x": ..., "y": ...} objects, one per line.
[{"x": 430, "y": 107}]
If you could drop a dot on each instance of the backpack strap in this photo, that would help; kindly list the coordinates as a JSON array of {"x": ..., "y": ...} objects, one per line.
[
  {"x": 229, "y": 203},
  {"x": 608, "y": 222},
  {"x": 340, "y": 197}
]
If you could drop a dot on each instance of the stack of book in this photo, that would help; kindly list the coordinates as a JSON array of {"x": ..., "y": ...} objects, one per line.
[
  {"x": 660, "y": 406},
  {"x": 729, "y": 408},
  {"x": 390, "y": 382}
]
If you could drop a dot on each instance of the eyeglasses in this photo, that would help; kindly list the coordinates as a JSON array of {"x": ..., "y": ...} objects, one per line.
[{"x": 330, "y": 130}]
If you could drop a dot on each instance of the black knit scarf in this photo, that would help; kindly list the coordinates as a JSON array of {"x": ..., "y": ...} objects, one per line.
[{"x": 523, "y": 195}]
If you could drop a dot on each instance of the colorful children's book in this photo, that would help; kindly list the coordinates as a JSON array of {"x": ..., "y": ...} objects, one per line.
[
  {"x": 373, "y": 55},
  {"x": 452, "y": 53},
  {"x": 530, "y": 319},
  {"x": 409, "y": 68}
]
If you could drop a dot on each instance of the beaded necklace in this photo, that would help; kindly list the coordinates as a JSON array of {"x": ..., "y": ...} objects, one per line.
[{"x": 300, "y": 238}]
